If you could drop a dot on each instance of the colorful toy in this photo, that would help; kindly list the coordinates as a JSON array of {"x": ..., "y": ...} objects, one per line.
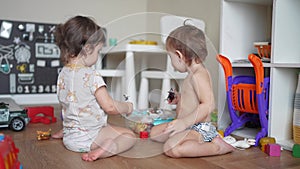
[
  {"x": 296, "y": 150},
  {"x": 143, "y": 120},
  {"x": 221, "y": 133},
  {"x": 240, "y": 144},
  {"x": 41, "y": 114},
  {"x": 171, "y": 95},
  {"x": 139, "y": 127},
  {"x": 264, "y": 141},
  {"x": 14, "y": 119},
  {"x": 273, "y": 150},
  {"x": 8, "y": 153},
  {"x": 126, "y": 97},
  {"x": 247, "y": 96},
  {"x": 43, "y": 135},
  {"x": 144, "y": 134}
]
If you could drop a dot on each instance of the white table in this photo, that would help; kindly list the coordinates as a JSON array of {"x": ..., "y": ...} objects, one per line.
[{"x": 130, "y": 50}]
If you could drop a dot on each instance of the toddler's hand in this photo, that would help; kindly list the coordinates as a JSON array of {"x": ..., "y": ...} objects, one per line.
[{"x": 174, "y": 127}]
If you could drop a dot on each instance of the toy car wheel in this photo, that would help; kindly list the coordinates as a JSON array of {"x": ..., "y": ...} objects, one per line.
[{"x": 17, "y": 124}]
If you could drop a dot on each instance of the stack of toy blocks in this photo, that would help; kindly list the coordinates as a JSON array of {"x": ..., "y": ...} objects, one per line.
[
  {"x": 265, "y": 141},
  {"x": 269, "y": 146}
]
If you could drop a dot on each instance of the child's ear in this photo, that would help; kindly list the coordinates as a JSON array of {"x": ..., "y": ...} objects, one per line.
[
  {"x": 179, "y": 54},
  {"x": 88, "y": 48}
]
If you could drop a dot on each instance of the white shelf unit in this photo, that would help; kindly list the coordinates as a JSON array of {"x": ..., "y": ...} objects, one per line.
[{"x": 277, "y": 21}]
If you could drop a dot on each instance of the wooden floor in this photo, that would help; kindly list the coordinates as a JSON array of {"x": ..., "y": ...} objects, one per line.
[{"x": 51, "y": 154}]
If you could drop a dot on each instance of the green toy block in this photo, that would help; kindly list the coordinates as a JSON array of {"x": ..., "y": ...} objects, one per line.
[{"x": 296, "y": 150}]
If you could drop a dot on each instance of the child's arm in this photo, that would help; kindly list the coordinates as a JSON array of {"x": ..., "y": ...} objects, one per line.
[{"x": 111, "y": 106}]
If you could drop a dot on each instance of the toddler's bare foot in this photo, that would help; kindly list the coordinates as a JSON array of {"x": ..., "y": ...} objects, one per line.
[
  {"x": 58, "y": 135},
  {"x": 106, "y": 150},
  {"x": 224, "y": 147}
]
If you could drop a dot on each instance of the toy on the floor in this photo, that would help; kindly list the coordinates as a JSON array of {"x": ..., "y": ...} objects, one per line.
[
  {"x": 15, "y": 119},
  {"x": 296, "y": 150},
  {"x": 273, "y": 150},
  {"x": 8, "y": 153},
  {"x": 144, "y": 134},
  {"x": 43, "y": 135},
  {"x": 41, "y": 114},
  {"x": 221, "y": 133},
  {"x": 239, "y": 144},
  {"x": 143, "y": 120},
  {"x": 264, "y": 141}
]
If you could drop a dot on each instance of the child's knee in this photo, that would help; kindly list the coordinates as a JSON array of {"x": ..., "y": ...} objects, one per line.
[
  {"x": 129, "y": 135},
  {"x": 172, "y": 151},
  {"x": 154, "y": 137}
]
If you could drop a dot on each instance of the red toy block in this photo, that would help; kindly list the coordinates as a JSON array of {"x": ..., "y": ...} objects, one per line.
[
  {"x": 143, "y": 134},
  {"x": 273, "y": 150},
  {"x": 43, "y": 114}
]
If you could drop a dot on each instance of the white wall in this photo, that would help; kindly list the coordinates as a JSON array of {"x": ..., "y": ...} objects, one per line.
[
  {"x": 207, "y": 10},
  {"x": 105, "y": 12},
  {"x": 124, "y": 19}
]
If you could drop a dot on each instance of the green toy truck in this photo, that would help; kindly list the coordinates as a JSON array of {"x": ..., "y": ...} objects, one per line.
[{"x": 14, "y": 119}]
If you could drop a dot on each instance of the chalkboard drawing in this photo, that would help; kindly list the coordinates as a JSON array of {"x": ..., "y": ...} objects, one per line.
[
  {"x": 46, "y": 50},
  {"x": 6, "y": 54},
  {"x": 22, "y": 68},
  {"x": 22, "y": 53},
  {"x": 6, "y": 29}
]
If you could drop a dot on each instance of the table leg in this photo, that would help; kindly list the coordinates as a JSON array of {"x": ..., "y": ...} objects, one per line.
[{"x": 130, "y": 78}]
